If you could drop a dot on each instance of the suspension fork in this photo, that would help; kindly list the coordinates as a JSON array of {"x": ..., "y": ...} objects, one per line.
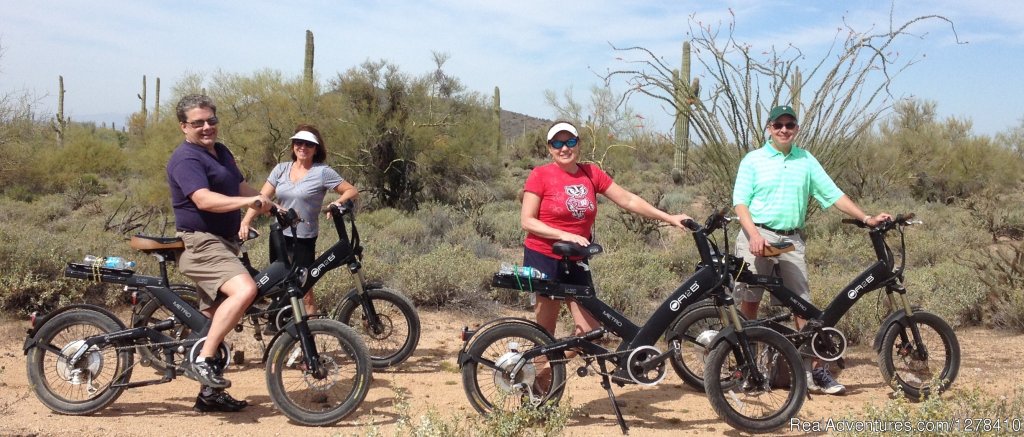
[
  {"x": 744, "y": 355},
  {"x": 369, "y": 312},
  {"x": 309, "y": 353},
  {"x": 898, "y": 299}
]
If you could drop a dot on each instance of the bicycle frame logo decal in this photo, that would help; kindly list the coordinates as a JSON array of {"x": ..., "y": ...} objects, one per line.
[
  {"x": 263, "y": 280},
  {"x": 852, "y": 294},
  {"x": 674, "y": 306},
  {"x": 183, "y": 309},
  {"x": 316, "y": 271}
]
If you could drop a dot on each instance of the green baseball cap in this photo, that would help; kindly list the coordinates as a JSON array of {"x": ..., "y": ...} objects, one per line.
[{"x": 779, "y": 111}]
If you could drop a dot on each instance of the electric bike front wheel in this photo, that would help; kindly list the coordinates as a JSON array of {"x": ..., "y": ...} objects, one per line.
[
  {"x": 394, "y": 338},
  {"x": 319, "y": 400},
  {"x": 757, "y": 393},
  {"x": 496, "y": 377},
  {"x": 85, "y": 386},
  {"x": 924, "y": 365}
]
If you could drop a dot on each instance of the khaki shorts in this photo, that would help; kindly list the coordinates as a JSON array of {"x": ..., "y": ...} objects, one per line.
[
  {"x": 792, "y": 266},
  {"x": 209, "y": 261}
]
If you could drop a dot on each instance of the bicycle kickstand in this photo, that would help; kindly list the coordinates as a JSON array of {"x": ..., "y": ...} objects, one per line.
[{"x": 606, "y": 383}]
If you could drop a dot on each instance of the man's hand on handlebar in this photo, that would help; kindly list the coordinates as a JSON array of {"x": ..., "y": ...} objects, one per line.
[
  {"x": 677, "y": 221},
  {"x": 261, "y": 203},
  {"x": 873, "y": 221}
]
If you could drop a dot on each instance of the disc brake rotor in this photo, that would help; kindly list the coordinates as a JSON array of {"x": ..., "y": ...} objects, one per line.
[{"x": 91, "y": 362}]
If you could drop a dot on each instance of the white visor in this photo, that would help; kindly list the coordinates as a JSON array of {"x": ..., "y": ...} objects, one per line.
[
  {"x": 305, "y": 136},
  {"x": 562, "y": 127}
]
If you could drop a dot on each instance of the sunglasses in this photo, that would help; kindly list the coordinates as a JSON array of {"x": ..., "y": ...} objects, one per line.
[
  {"x": 570, "y": 143},
  {"x": 303, "y": 143},
  {"x": 198, "y": 124},
  {"x": 778, "y": 125}
]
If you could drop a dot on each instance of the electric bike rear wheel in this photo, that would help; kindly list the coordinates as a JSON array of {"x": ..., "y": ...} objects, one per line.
[
  {"x": 694, "y": 329},
  {"x": 85, "y": 386},
  {"x": 396, "y": 335},
  {"x": 319, "y": 400},
  {"x": 497, "y": 378}
]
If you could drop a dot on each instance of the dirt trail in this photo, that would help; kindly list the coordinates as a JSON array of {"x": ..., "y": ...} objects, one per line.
[{"x": 430, "y": 380}]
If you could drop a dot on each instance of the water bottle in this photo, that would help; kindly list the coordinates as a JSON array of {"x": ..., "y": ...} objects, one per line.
[
  {"x": 116, "y": 262},
  {"x": 93, "y": 260},
  {"x": 110, "y": 262},
  {"x": 524, "y": 271}
]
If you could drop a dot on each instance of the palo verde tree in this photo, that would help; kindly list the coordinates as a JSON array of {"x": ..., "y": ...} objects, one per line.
[{"x": 843, "y": 92}]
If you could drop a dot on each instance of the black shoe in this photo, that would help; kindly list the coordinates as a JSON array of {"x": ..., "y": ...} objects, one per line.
[
  {"x": 208, "y": 374},
  {"x": 219, "y": 401}
]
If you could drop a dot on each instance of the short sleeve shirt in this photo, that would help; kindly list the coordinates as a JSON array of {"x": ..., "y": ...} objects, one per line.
[
  {"x": 568, "y": 202},
  {"x": 305, "y": 195},
  {"x": 192, "y": 168},
  {"x": 776, "y": 187}
]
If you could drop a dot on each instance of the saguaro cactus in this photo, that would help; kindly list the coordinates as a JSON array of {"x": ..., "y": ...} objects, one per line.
[
  {"x": 61, "y": 124},
  {"x": 497, "y": 119},
  {"x": 156, "y": 104},
  {"x": 684, "y": 96},
  {"x": 308, "y": 70},
  {"x": 794, "y": 90},
  {"x": 142, "y": 97}
]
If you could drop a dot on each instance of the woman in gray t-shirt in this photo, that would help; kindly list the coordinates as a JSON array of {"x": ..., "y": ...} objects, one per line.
[{"x": 302, "y": 184}]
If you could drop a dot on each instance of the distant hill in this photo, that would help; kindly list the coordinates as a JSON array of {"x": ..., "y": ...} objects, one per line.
[{"x": 514, "y": 125}]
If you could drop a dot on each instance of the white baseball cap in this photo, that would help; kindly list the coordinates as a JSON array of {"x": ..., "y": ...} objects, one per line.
[
  {"x": 562, "y": 126},
  {"x": 305, "y": 135}
]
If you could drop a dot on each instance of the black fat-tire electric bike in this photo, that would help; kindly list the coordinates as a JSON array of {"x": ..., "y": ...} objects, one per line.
[
  {"x": 510, "y": 363},
  {"x": 387, "y": 319},
  {"x": 918, "y": 352},
  {"x": 80, "y": 357}
]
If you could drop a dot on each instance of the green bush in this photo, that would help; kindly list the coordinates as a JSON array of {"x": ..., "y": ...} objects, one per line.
[{"x": 448, "y": 275}]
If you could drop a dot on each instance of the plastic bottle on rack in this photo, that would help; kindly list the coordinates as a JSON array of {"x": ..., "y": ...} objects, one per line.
[
  {"x": 116, "y": 262},
  {"x": 110, "y": 262},
  {"x": 524, "y": 271}
]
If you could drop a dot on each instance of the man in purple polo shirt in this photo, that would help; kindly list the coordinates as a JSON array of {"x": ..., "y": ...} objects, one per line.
[{"x": 207, "y": 192}]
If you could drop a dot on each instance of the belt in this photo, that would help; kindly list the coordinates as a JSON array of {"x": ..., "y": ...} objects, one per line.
[{"x": 777, "y": 231}]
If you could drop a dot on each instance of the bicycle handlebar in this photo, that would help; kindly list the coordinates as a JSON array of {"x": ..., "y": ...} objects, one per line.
[
  {"x": 906, "y": 219},
  {"x": 344, "y": 208}
]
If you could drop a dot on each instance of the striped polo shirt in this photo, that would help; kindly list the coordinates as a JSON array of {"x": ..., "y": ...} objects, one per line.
[{"x": 777, "y": 188}]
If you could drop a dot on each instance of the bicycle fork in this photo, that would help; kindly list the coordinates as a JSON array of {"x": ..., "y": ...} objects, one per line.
[
  {"x": 369, "y": 312},
  {"x": 898, "y": 299}
]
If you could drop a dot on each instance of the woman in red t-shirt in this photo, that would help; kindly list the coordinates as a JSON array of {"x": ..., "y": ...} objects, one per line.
[{"x": 560, "y": 204}]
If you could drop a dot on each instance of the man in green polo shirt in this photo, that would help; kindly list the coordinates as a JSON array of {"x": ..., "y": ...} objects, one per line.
[{"x": 774, "y": 185}]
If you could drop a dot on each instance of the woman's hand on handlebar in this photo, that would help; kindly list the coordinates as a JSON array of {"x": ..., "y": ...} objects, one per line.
[{"x": 243, "y": 232}]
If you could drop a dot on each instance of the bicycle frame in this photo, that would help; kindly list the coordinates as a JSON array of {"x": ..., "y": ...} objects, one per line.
[{"x": 881, "y": 274}]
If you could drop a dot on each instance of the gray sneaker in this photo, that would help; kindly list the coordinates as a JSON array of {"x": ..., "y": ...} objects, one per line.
[
  {"x": 209, "y": 375},
  {"x": 826, "y": 383},
  {"x": 812, "y": 386}
]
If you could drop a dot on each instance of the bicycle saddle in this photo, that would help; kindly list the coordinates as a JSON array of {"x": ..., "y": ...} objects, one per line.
[
  {"x": 565, "y": 248},
  {"x": 148, "y": 243},
  {"x": 776, "y": 249}
]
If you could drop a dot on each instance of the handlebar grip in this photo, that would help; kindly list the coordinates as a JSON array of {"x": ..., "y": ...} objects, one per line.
[
  {"x": 691, "y": 225},
  {"x": 900, "y": 218}
]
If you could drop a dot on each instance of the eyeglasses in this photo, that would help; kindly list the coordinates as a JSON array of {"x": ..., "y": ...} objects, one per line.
[
  {"x": 778, "y": 125},
  {"x": 198, "y": 124},
  {"x": 303, "y": 143},
  {"x": 570, "y": 143}
]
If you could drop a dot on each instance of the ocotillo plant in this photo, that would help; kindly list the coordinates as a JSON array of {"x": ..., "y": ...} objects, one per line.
[{"x": 497, "y": 119}]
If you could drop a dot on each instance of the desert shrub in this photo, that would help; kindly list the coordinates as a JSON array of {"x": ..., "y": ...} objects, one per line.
[
  {"x": 630, "y": 278},
  {"x": 937, "y": 415},
  {"x": 499, "y": 222},
  {"x": 447, "y": 275},
  {"x": 1000, "y": 271}
]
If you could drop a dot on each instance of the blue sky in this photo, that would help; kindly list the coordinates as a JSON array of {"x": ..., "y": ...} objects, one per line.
[{"x": 102, "y": 48}]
